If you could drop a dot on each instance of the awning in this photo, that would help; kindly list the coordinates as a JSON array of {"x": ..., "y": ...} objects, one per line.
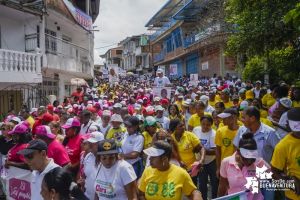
[
  {"x": 166, "y": 12},
  {"x": 189, "y": 9}
]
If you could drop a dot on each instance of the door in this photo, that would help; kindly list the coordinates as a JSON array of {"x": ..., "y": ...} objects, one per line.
[{"x": 192, "y": 64}]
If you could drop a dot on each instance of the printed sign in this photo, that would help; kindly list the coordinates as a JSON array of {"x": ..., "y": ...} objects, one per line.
[
  {"x": 194, "y": 77},
  {"x": 162, "y": 92},
  {"x": 113, "y": 73},
  {"x": 18, "y": 184},
  {"x": 173, "y": 69},
  {"x": 205, "y": 65}
]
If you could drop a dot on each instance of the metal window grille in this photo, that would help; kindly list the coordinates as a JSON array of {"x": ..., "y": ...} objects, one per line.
[
  {"x": 169, "y": 44},
  {"x": 177, "y": 37}
]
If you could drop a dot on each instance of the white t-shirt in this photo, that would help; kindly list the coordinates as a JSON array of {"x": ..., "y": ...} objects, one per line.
[
  {"x": 282, "y": 122},
  {"x": 164, "y": 122},
  {"x": 37, "y": 179},
  {"x": 209, "y": 109},
  {"x": 187, "y": 117},
  {"x": 132, "y": 143},
  {"x": 104, "y": 130},
  {"x": 109, "y": 183},
  {"x": 207, "y": 140},
  {"x": 163, "y": 81},
  {"x": 85, "y": 129},
  {"x": 89, "y": 170},
  {"x": 256, "y": 92}
]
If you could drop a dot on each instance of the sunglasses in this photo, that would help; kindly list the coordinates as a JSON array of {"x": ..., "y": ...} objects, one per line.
[{"x": 29, "y": 156}]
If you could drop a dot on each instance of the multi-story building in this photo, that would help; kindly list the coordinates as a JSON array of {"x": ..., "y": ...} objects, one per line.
[
  {"x": 113, "y": 56},
  {"x": 43, "y": 45},
  {"x": 194, "y": 50}
]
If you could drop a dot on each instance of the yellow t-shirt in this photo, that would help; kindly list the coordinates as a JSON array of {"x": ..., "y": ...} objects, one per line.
[
  {"x": 212, "y": 103},
  {"x": 268, "y": 100},
  {"x": 167, "y": 185},
  {"x": 171, "y": 117},
  {"x": 296, "y": 104},
  {"x": 116, "y": 134},
  {"x": 148, "y": 139},
  {"x": 186, "y": 147},
  {"x": 30, "y": 120},
  {"x": 263, "y": 113},
  {"x": 217, "y": 98},
  {"x": 195, "y": 119},
  {"x": 287, "y": 154},
  {"x": 267, "y": 122},
  {"x": 224, "y": 138},
  {"x": 228, "y": 104},
  {"x": 179, "y": 103}
]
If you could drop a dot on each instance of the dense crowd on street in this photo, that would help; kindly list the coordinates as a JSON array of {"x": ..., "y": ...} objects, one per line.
[{"x": 120, "y": 141}]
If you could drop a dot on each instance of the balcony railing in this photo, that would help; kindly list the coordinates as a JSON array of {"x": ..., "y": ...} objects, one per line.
[
  {"x": 159, "y": 56},
  {"x": 17, "y": 61},
  {"x": 163, "y": 29},
  {"x": 56, "y": 46}
]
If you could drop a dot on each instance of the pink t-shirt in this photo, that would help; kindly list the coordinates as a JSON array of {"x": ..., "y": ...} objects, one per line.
[
  {"x": 58, "y": 153},
  {"x": 81, "y": 167},
  {"x": 12, "y": 153},
  {"x": 237, "y": 177},
  {"x": 74, "y": 149}
]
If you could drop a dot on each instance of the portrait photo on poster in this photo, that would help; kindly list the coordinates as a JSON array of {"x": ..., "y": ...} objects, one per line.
[{"x": 162, "y": 92}]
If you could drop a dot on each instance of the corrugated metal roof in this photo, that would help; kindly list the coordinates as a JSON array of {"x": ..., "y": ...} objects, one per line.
[
  {"x": 166, "y": 12},
  {"x": 189, "y": 9}
]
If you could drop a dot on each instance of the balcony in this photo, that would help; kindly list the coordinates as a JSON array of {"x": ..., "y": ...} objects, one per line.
[
  {"x": 62, "y": 54},
  {"x": 142, "y": 50},
  {"x": 158, "y": 57},
  {"x": 20, "y": 67},
  {"x": 163, "y": 29}
]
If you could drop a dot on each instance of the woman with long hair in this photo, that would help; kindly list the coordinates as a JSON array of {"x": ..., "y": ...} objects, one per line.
[
  {"x": 174, "y": 112},
  {"x": 257, "y": 103},
  {"x": 57, "y": 130},
  {"x": 57, "y": 185}
]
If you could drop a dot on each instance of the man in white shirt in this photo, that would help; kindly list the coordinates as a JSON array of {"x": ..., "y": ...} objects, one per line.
[
  {"x": 257, "y": 89},
  {"x": 35, "y": 154},
  {"x": 161, "y": 80},
  {"x": 86, "y": 122},
  {"x": 213, "y": 79},
  {"x": 208, "y": 108},
  {"x": 164, "y": 121}
]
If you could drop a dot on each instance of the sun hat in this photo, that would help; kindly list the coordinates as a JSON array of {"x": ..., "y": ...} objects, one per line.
[
  {"x": 116, "y": 118},
  {"x": 107, "y": 146},
  {"x": 95, "y": 137},
  {"x": 19, "y": 129},
  {"x": 71, "y": 122},
  {"x": 286, "y": 102},
  {"x": 228, "y": 112},
  {"x": 45, "y": 130},
  {"x": 157, "y": 108},
  {"x": 247, "y": 153},
  {"x": 149, "y": 121},
  {"x": 154, "y": 151},
  {"x": 34, "y": 145},
  {"x": 132, "y": 121}
]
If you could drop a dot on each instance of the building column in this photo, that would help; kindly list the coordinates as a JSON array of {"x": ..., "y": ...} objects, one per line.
[
  {"x": 43, "y": 41},
  {"x": 199, "y": 64},
  {"x": 184, "y": 66},
  {"x": 222, "y": 62}
]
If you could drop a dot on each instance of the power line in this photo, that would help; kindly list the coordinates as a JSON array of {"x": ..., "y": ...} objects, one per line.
[
  {"x": 106, "y": 46},
  {"x": 28, "y": 22}
]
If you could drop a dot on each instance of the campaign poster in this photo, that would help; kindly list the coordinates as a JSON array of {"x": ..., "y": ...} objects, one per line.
[
  {"x": 173, "y": 69},
  {"x": 113, "y": 73},
  {"x": 193, "y": 77},
  {"x": 162, "y": 92}
]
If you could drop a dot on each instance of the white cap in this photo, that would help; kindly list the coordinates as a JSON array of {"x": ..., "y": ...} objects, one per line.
[
  {"x": 204, "y": 99},
  {"x": 224, "y": 115},
  {"x": 116, "y": 118},
  {"x": 294, "y": 125},
  {"x": 93, "y": 128},
  {"x": 153, "y": 151},
  {"x": 106, "y": 113},
  {"x": 137, "y": 106},
  {"x": 95, "y": 137},
  {"x": 159, "y": 108},
  {"x": 286, "y": 102},
  {"x": 35, "y": 109},
  {"x": 180, "y": 96},
  {"x": 188, "y": 101},
  {"x": 247, "y": 153},
  {"x": 139, "y": 101},
  {"x": 159, "y": 70},
  {"x": 16, "y": 119},
  {"x": 156, "y": 99},
  {"x": 75, "y": 105},
  {"x": 117, "y": 105}
]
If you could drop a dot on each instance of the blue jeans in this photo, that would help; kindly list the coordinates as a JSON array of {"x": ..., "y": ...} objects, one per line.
[
  {"x": 208, "y": 170},
  {"x": 268, "y": 194},
  {"x": 138, "y": 168}
]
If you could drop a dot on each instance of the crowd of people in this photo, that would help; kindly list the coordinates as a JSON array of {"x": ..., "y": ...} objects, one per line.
[{"x": 119, "y": 141}]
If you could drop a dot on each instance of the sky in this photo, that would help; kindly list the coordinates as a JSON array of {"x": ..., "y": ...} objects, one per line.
[{"x": 119, "y": 19}]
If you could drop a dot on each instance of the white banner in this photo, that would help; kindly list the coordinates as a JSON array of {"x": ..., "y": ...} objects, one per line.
[
  {"x": 162, "y": 92},
  {"x": 193, "y": 77},
  {"x": 18, "y": 184},
  {"x": 173, "y": 69},
  {"x": 113, "y": 73}
]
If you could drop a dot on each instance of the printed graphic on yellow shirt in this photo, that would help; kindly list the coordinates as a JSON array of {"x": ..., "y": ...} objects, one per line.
[
  {"x": 298, "y": 160},
  {"x": 226, "y": 142},
  {"x": 152, "y": 189},
  {"x": 186, "y": 145},
  {"x": 167, "y": 191}
]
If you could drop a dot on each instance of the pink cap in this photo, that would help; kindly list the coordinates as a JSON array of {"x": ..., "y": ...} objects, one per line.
[
  {"x": 9, "y": 117},
  {"x": 45, "y": 130},
  {"x": 19, "y": 129},
  {"x": 26, "y": 123},
  {"x": 72, "y": 122},
  {"x": 97, "y": 105},
  {"x": 86, "y": 136},
  {"x": 56, "y": 110}
]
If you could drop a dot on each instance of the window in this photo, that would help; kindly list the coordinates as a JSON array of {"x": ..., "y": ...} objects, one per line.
[
  {"x": 50, "y": 87},
  {"x": 67, "y": 90},
  {"x": 169, "y": 44},
  {"x": 177, "y": 37},
  {"x": 51, "y": 43}
]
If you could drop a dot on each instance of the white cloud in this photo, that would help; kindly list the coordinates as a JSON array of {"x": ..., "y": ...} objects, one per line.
[{"x": 119, "y": 19}]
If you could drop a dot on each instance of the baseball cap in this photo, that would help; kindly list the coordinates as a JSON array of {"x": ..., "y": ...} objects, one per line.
[
  {"x": 149, "y": 110},
  {"x": 243, "y": 105},
  {"x": 242, "y": 91},
  {"x": 117, "y": 105},
  {"x": 106, "y": 113},
  {"x": 228, "y": 112},
  {"x": 93, "y": 128},
  {"x": 249, "y": 94},
  {"x": 95, "y": 137},
  {"x": 226, "y": 91},
  {"x": 139, "y": 101},
  {"x": 221, "y": 87},
  {"x": 132, "y": 121},
  {"x": 137, "y": 106},
  {"x": 71, "y": 122},
  {"x": 180, "y": 96},
  {"x": 26, "y": 123},
  {"x": 159, "y": 71},
  {"x": 258, "y": 81},
  {"x": 49, "y": 107},
  {"x": 235, "y": 96},
  {"x": 204, "y": 99},
  {"x": 107, "y": 146},
  {"x": 145, "y": 98},
  {"x": 149, "y": 121},
  {"x": 34, "y": 145},
  {"x": 140, "y": 117},
  {"x": 164, "y": 101},
  {"x": 45, "y": 130},
  {"x": 19, "y": 129},
  {"x": 116, "y": 118},
  {"x": 9, "y": 117},
  {"x": 159, "y": 108},
  {"x": 16, "y": 119},
  {"x": 156, "y": 99},
  {"x": 47, "y": 117},
  {"x": 286, "y": 102},
  {"x": 154, "y": 151},
  {"x": 187, "y": 102},
  {"x": 70, "y": 110},
  {"x": 247, "y": 153},
  {"x": 97, "y": 105}
]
